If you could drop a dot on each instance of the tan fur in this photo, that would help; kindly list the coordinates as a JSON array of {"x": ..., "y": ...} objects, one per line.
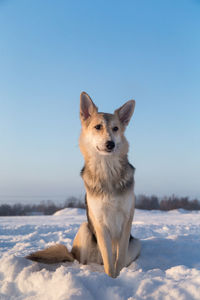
[
  {"x": 109, "y": 182},
  {"x": 84, "y": 248},
  {"x": 53, "y": 254}
]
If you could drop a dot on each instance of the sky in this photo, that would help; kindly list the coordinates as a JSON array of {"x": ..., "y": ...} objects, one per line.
[{"x": 52, "y": 50}]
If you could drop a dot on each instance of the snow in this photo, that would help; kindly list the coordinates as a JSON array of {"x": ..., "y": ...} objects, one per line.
[{"x": 168, "y": 268}]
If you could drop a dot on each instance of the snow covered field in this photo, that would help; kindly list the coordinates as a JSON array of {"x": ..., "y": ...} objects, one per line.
[{"x": 168, "y": 268}]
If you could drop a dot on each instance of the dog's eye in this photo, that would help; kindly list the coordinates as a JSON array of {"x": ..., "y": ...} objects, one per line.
[
  {"x": 115, "y": 128},
  {"x": 98, "y": 127}
]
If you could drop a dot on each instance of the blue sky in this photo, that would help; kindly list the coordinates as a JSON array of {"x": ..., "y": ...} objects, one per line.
[{"x": 50, "y": 51}]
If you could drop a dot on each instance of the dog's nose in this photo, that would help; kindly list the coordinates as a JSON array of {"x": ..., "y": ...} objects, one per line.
[{"x": 110, "y": 145}]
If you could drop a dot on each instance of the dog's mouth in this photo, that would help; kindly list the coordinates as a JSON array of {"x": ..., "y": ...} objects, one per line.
[{"x": 105, "y": 151}]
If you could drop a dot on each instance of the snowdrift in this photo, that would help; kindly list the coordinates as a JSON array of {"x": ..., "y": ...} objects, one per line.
[{"x": 168, "y": 268}]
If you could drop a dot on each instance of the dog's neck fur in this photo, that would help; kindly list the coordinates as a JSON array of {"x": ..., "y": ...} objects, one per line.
[{"x": 107, "y": 175}]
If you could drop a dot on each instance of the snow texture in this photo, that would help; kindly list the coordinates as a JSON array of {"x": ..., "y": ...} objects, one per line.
[{"x": 168, "y": 268}]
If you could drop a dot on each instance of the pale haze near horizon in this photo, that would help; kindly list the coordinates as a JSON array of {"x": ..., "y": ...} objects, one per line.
[{"x": 142, "y": 50}]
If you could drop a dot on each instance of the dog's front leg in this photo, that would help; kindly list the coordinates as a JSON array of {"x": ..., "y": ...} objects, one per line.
[
  {"x": 122, "y": 247},
  {"x": 105, "y": 246}
]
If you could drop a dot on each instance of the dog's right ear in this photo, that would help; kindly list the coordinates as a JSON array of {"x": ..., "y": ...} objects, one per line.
[{"x": 87, "y": 107}]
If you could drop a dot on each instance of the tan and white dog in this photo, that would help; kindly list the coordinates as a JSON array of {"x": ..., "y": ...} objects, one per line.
[{"x": 109, "y": 181}]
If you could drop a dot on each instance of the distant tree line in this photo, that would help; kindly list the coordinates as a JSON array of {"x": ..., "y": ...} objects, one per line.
[
  {"x": 43, "y": 208},
  {"x": 166, "y": 203},
  {"x": 142, "y": 202}
]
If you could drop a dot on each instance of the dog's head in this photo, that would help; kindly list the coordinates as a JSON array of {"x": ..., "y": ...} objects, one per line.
[{"x": 103, "y": 133}]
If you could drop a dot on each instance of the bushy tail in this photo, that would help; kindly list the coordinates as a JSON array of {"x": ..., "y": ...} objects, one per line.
[{"x": 54, "y": 254}]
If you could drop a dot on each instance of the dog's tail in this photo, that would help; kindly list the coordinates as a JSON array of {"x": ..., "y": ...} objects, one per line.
[{"x": 51, "y": 255}]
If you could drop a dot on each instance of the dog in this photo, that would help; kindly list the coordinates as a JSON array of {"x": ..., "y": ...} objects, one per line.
[{"x": 109, "y": 182}]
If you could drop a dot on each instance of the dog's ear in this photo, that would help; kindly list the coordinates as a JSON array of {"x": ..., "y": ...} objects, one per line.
[
  {"x": 125, "y": 112},
  {"x": 87, "y": 107}
]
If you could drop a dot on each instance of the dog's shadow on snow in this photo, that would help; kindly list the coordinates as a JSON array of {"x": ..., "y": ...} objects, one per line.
[{"x": 165, "y": 253}]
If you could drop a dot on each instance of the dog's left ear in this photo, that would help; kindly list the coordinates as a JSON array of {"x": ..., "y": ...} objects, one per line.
[{"x": 125, "y": 112}]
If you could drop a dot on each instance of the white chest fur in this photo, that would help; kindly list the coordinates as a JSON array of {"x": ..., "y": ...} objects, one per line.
[{"x": 112, "y": 211}]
